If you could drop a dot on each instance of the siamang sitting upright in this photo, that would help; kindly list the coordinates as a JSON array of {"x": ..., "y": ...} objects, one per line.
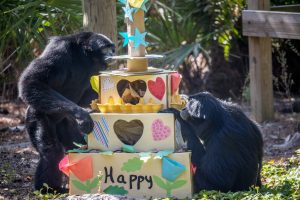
[
  {"x": 56, "y": 86},
  {"x": 227, "y": 147}
]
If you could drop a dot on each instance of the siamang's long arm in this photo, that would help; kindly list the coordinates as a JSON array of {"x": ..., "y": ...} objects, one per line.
[{"x": 35, "y": 89}]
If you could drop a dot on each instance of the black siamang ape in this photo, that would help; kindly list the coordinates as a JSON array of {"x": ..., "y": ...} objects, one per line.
[
  {"x": 56, "y": 86},
  {"x": 227, "y": 147}
]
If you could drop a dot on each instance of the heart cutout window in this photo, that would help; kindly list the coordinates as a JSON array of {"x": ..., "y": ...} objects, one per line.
[
  {"x": 129, "y": 132},
  {"x": 131, "y": 92}
]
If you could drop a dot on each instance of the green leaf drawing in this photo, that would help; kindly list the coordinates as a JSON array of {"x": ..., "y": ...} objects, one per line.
[
  {"x": 178, "y": 184},
  {"x": 95, "y": 83},
  {"x": 94, "y": 182},
  {"x": 160, "y": 182},
  {"x": 80, "y": 186},
  {"x": 88, "y": 186},
  {"x": 117, "y": 190},
  {"x": 168, "y": 186},
  {"x": 132, "y": 165}
]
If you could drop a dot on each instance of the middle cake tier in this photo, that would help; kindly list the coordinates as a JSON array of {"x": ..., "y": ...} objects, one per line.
[{"x": 142, "y": 131}]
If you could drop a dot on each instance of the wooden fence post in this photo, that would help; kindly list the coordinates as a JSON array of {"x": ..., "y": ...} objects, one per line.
[{"x": 260, "y": 58}]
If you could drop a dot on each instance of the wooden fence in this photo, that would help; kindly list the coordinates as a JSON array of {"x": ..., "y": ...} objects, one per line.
[{"x": 261, "y": 24}]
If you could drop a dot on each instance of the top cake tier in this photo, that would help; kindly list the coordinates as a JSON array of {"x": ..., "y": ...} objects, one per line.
[
  {"x": 138, "y": 92},
  {"x": 135, "y": 37}
]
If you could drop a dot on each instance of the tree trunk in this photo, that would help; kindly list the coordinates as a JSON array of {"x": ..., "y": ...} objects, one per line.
[{"x": 100, "y": 16}]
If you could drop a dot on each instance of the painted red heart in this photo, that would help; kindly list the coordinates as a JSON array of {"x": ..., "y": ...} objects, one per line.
[
  {"x": 175, "y": 81},
  {"x": 157, "y": 88}
]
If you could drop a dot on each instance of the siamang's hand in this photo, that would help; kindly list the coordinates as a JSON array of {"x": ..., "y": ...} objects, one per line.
[{"x": 84, "y": 121}]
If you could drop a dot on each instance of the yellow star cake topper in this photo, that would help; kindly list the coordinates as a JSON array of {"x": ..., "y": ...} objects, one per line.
[{"x": 136, "y": 3}]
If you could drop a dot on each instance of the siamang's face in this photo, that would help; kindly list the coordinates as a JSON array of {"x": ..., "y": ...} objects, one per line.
[
  {"x": 100, "y": 49},
  {"x": 202, "y": 112}
]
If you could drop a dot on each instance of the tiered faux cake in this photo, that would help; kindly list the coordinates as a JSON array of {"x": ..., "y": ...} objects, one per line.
[{"x": 135, "y": 144}]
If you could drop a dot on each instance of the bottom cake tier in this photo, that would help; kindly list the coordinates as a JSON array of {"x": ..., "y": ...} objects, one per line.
[{"x": 139, "y": 175}]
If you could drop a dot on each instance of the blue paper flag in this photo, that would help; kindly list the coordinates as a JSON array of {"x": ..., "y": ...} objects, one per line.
[
  {"x": 171, "y": 169},
  {"x": 143, "y": 7},
  {"x": 128, "y": 148},
  {"x": 123, "y": 1},
  {"x": 128, "y": 12},
  {"x": 139, "y": 38}
]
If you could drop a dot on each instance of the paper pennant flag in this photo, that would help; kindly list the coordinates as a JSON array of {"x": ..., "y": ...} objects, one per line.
[
  {"x": 128, "y": 148},
  {"x": 175, "y": 82},
  {"x": 139, "y": 38},
  {"x": 82, "y": 169},
  {"x": 128, "y": 12},
  {"x": 171, "y": 169},
  {"x": 141, "y": 4},
  {"x": 123, "y": 1},
  {"x": 143, "y": 7},
  {"x": 126, "y": 38}
]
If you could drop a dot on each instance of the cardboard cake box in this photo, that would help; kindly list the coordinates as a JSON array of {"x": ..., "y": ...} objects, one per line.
[
  {"x": 143, "y": 175},
  {"x": 157, "y": 88},
  {"x": 145, "y": 131}
]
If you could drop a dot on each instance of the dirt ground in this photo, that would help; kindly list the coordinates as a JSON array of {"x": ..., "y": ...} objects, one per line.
[{"x": 18, "y": 159}]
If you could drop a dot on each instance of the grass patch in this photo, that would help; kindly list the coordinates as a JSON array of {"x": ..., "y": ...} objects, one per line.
[
  {"x": 281, "y": 180},
  {"x": 8, "y": 173}
]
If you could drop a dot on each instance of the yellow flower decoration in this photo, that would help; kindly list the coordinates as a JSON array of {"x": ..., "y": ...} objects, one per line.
[{"x": 136, "y": 3}]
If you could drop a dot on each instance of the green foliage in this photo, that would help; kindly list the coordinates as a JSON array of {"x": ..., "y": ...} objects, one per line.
[
  {"x": 8, "y": 173},
  {"x": 281, "y": 180},
  {"x": 24, "y": 24},
  {"x": 284, "y": 2},
  {"x": 115, "y": 190},
  {"x": 48, "y": 195},
  {"x": 132, "y": 165},
  {"x": 168, "y": 185},
  {"x": 187, "y": 26}
]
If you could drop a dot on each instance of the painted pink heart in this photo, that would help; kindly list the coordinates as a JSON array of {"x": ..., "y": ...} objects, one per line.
[
  {"x": 157, "y": 88},
  {"x": 159, "y": 130},
  {"x": 175, "y": 81}
]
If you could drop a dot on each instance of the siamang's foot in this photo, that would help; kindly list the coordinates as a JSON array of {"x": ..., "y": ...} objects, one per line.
[{"x": 85, "y": 122}]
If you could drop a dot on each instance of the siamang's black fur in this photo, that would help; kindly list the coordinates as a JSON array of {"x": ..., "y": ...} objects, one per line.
[
  {"x": 56, "y": 86},
  {"x": 227, "y": 147}
]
